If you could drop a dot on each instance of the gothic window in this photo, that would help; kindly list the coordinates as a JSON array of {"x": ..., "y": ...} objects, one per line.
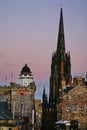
[
  {"x": 74, "y": 108},
  {"x": 62, "y": 67}
]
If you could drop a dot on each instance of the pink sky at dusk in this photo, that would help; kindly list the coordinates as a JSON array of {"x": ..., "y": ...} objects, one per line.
[{"x": 28, "y": 34}]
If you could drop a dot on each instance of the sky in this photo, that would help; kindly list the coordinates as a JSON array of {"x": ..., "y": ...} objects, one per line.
[{"x": 29, "y": 32}]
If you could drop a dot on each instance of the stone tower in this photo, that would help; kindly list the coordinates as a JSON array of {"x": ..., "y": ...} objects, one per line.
[
  {"x": 23, "y": 96},
  {"x": 60, "y": 77},
  {"x": 26, "y": 77},
  {"x": 60, "y": 66}
]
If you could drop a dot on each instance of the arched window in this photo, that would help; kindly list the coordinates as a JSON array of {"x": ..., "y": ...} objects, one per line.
[{"x": 22, "y": 96}]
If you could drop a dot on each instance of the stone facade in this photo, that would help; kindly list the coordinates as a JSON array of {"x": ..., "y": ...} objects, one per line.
[
  {"x": 18, "y": 101},
  {"x": 73, "y": 105},
  {"x": 38, "y": 109},
  {"x": 22, "y": 100}
]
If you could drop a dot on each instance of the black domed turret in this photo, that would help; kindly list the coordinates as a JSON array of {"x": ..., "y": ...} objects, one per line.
[{"x": 26, "y": 70}]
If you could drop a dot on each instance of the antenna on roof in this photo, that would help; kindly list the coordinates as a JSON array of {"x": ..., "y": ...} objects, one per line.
[
  {"x": 11, "y": 75},
  {"x": 6, "y": 78}
]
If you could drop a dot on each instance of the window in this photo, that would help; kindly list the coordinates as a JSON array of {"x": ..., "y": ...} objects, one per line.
[
  {"x": 21, "y": 96},
  {"x": 67, "y": 108},
  {"x": 85, "y": 109},
  {"x": 21, "y": 106},
  {"x": 74, "y": 108},
  {"x": 2, "y": 97}
]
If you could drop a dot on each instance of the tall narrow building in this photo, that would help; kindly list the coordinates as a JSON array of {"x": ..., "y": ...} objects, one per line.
[{"x": 60, "y": 66}]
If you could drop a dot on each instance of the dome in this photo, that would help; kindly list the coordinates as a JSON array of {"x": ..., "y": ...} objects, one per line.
[{"x": 26, "y": 70}]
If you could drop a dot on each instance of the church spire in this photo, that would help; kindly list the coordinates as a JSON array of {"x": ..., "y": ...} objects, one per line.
[
  {"x": 44, "y": 96},
  {"x": 44, "y": 91},
  {"x": 61, "y": 40}
]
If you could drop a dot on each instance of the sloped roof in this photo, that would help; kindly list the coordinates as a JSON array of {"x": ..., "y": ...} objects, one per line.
[{"x": 78, "y": 90}]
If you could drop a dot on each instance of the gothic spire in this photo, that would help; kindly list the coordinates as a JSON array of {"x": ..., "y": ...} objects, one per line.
[{"x": 61, "y": 40}]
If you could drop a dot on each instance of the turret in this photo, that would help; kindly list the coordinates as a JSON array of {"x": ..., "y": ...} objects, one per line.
[{"x": 26, "y": 77}]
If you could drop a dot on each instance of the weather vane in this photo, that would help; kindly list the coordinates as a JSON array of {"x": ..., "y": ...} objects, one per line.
[{"x": 61, "y": 4}]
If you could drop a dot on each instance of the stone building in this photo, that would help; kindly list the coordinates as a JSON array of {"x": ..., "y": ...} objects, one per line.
[
  {"x": 18, "y": 99},
  {"x": 73, "y": 105},
  {"x": 26, "y": 77}
]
